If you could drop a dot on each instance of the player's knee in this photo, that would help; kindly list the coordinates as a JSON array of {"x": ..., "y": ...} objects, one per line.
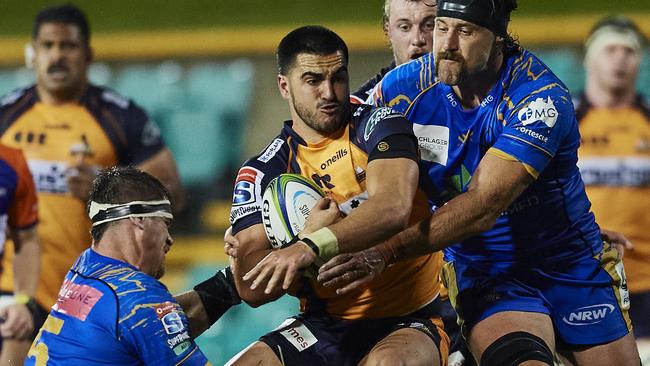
[
  {"x": 517, "y": 348},
  {"x": 392, "y": 357}
]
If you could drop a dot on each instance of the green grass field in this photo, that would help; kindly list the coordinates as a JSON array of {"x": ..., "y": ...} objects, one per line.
[{"x": 129, "y": 15}]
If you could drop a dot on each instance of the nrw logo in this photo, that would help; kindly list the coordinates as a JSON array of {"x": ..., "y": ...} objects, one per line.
[
  {"x": 588, "y": 315},
  {"x": 539, "y": 110}
]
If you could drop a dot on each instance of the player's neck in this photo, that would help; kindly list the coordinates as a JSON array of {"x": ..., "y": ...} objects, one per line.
[
  {"x": 118, "y": 244},
  {"x": 59, "y": 98},
  {"x": 474, "y": 89},
  {"x": 604, "y": 98}
]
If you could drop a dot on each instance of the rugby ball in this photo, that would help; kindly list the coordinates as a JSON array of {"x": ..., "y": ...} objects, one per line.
[{"x": 286, "y": 204}]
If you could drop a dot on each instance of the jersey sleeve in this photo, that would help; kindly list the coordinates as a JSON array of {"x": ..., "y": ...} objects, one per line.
[
  {"x": 402, "y": 85},
  {"x": 144, "y": 138},
  {"x": 246, "y": 209},
  {"x": 535, "y": 128},
  {"x": 381, "y": 123},
  {"x": 23, "y": 212},
  {"x": 156, "y": 329}
]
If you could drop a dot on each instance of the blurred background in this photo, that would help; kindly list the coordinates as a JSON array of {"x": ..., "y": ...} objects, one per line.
[{"x": 205, "y": 71}]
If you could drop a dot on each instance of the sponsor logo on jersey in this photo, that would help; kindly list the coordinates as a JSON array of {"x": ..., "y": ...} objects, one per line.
[
  {"x": 271, "y": 150},
  {"x": 178, "y": 339},
  {"x": 245, "y": 186},
  {"x": 487, "y": 100},
  {"x": 377, "y": 115},
  {"x": 49, "y": 176},
  {"x": 118, "y": 100},
  {"x": 633, "y": 171},
  {"x": 539, "y": 110},
  {"x": 531, "y": 133},
  {"x": 339, "y": 154},
  {"x": 433, "y": 142},
  {"x": 150, "y": 133},
  {"x": 354, "y": 202},
  {"x": 589, "y": 315},
  {"x": 247, "y": 193},
  {"x": 299, "y": 335},
  {"x": 178, "y": 350},
  {"x": 452, "y": 100},
  {"x": 76, "y": 300},
  {"x": 169, "y": 315}
]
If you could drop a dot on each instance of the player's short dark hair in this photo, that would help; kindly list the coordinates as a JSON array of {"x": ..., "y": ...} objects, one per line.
[
  {"x": 312, "y": 39},
  {"x": 123, "y": 185},
  {"x": 66, "y": 14}
]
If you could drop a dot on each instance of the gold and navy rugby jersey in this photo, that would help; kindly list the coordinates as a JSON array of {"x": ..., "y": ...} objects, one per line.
[
  {"x": 338, "y": 165},
  {"x": 103, "y": 126},
  {"x": 614, "y": 161}
]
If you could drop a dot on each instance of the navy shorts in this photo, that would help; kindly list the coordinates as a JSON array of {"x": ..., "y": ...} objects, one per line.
[
  {"x": 586, "y": 299},
  {"x": 321, "y": 340},
  {"x": 640, "y": 305}
]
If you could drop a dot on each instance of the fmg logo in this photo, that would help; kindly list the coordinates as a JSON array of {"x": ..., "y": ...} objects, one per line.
[{"x": 588, "y": 315}]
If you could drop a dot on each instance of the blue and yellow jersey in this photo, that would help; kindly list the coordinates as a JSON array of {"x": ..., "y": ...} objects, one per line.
[
  {"x": 18, "y": 208},
  {"x": 528, "y": 117},
  {"x": 109, "y": 313},
  {"x": 102, "y": 129},
  {"x": 615, "y": 165},
  {"x": 338, "y": 165}
]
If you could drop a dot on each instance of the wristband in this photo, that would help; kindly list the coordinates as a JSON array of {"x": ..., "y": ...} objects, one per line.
[
  {"x": 218, "y": 294},
  {"x": 22, "y": 299},
  {"x": 323, "y": 243}
]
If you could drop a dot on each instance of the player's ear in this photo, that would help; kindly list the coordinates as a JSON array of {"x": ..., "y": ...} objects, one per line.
[
  {"x": 283, "y": 86},
  {"x": 138, "y": 222}
]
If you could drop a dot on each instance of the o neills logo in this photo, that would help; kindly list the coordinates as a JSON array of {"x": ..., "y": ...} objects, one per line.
[{"x": 339, "y": 154}]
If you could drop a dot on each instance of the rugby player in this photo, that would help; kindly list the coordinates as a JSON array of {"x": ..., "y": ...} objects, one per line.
[
  {"x": 68, "y": 129},
  {"x": 408, "y": 26},
  {"x": 375, "y": 172},
  {"x": 526, "y": 265},
  {"x": 19, "y": 218},
  {"x": 614, "y": 154},
  {"x": 111, "y": 309}
]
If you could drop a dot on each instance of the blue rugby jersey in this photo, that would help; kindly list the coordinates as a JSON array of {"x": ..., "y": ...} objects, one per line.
[
  {"x": 528, "y": 117},
  {"x": 109, "y": 313}
]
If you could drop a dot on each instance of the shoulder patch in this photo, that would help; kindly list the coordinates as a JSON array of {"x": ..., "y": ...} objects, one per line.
[
  {"x": 109, "y": 96},
  {"x": 247, "y": 194},
  {"x": 178, "y": 337},
  {"x": 150, "y": 133},
  {"x": 539, "y": 110},
  {"x": 76, "y": 300},
  {"x": 271, "y": 150},
  {"x": 377, "y": 115}
]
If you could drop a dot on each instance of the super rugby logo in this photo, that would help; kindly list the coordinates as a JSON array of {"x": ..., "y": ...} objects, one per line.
[
  {"x": 245, "y": 187},
  {"x": 589, "y": 315},
  {"x": 539, "y": 110}
]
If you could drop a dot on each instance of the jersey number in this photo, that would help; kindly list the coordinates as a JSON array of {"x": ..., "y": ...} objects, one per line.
[{"x": 39, "y": 349}]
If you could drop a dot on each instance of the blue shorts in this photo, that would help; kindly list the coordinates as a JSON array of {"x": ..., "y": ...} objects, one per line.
[
  {"x": 640, "y": 305},
  {"x": 321, "y": 340},
  {"x": 586, "y": 299}
]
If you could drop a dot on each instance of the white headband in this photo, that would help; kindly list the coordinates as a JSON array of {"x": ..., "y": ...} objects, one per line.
[
  {"x": 101, "y": 213},
  {"x": 610, "y": 35}
]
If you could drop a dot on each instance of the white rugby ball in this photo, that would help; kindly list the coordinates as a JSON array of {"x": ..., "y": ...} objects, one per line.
[{"x": 286, "y": 204}]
